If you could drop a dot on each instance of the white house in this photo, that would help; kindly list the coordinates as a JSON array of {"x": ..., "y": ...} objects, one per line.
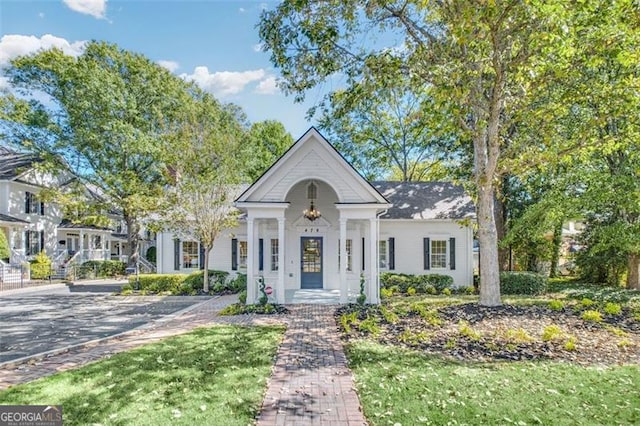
[
  {"x": 31, "y": 224},
  {"x": 312, "y": 221}
]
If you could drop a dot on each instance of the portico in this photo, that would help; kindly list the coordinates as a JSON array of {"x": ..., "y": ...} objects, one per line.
[{"x": 312, "y": 223}]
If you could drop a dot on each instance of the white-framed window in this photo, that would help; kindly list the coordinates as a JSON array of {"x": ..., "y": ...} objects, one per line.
[
  {"x": 190, "y": 254},
  {"x": 242, "y": 254},
  {"x": 275, "y": 250},
  {"x": 383, "y": 254},
  {"x": 349, "y": 244},
  {"x": 438, "y": 254}
]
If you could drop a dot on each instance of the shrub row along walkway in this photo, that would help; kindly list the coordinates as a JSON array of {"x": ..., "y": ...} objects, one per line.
[{"x": 310, "y": 384}]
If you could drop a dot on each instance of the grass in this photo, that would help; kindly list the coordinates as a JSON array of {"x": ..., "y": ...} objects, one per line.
[
  {"x": 398, "y": 386},
  {"x": 213, "y": 375}
]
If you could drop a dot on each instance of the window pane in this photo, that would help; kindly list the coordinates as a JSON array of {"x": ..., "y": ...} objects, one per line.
[
  {"x": 382, "y": 249},
  {"x": 274, "y": 254},
  {"x": 438, "y": 254},
  {"x": 349, "y": 254},
  {"x": 189, "y": 254},
  {"x": 242, "y": 254}
]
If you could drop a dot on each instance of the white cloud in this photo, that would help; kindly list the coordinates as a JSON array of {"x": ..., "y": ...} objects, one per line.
[
  {"x": 268, "y": 86},
  {"x": 14, "y": 45},
  {"x": 41, "y": 15},
  {"x": 257, "y": 47},
  {"x": 242, "y": 10},
  {"x": 224, "y": 82},
  {"x": 170, "y": 65},
  {"x": 95, "y": 8}
]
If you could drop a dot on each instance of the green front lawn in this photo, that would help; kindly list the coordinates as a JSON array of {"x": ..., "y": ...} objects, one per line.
[
  {"x": 400, "y": 386},
  {"x": 213, "y": 375}
]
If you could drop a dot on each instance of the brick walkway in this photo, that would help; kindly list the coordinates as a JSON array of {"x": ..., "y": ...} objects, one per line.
[{"x": 310, "y": 383}]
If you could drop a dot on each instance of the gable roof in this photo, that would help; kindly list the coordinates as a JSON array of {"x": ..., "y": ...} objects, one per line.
[
  {"x": 13, "y": 164},
  {"x": 10, "y": 219},
  {"x": 426, "y": 200},
  {"x": 312, "y": 157}
]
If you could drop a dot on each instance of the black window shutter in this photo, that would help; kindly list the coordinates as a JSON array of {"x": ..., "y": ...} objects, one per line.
[
  {"x": 363, "y": 262},
  {"x": 234, "y": 254},
  {"x": 27, "y": 242},
  {"x": 27, "y": 202},
  {"x": 201, "y": 256},
  {"x": 260, "y": 254},
  {"x": 427, "y": 256},
  {"x": 41, "y": 241},
  {"x": 452, "y": 253},
  {"x": 41, "y": 208},
  {"x": 392, "y": 253},
  {"x": 176, "y": 254}
]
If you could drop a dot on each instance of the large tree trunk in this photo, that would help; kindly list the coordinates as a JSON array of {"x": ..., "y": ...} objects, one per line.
[
  {"x": 633, "y": 277},
  {"x": 487, "y": 238},
  {"x": 133, "y": 239}
]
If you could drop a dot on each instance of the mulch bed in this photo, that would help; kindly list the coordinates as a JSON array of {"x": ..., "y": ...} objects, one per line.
[{"x": 507, "y": 333}]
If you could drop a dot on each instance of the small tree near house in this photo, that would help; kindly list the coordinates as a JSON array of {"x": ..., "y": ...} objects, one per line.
[{"x": 205, "y": 169}]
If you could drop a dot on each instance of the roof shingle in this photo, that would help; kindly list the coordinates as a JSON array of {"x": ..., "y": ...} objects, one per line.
[{"x": 426, "y": 200}]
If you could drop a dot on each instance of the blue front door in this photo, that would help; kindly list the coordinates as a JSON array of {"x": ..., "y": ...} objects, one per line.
[{"x": 311, "y": 262}]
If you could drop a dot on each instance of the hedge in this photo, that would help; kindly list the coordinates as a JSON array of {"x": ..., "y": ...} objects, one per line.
[
  {"x": 40, "y": 267},
  {"x": 101, "y": 269},
  {"x": 217, "y": 280},
  {"x": 522, "y": 283},
  {"x": 158, "y": 283},
  {"x": 428, "y": 283}
]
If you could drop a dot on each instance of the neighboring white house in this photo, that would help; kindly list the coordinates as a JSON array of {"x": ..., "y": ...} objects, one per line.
[
  {"x": 363, "y": 228},
  {"x": 32, "y": 225}
]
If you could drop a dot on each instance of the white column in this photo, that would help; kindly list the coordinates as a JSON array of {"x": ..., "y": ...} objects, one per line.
[
  {"x": 344, "y": 288},
  {"x": 281, "y": 251},
  {"x": 81, "y": 248},
  {"x": 373, "y": 261},
  {"x": 251, "y": 283},
  {"x": 159, "y": 252}
]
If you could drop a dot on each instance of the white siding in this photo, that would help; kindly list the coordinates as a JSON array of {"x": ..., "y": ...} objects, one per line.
[{"x": 409, "y": 256}]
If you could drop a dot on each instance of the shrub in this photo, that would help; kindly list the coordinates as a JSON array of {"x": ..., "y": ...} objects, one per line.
[
  {"x": 570, "y": 345},
  {"x": 411, "y": 291},
  {"x": 551, "y": 332},
  {"x": 5, "y": 251},
  {"x": 156, "y": 283},
  {"x": 40, "y": 266},
  {"x": 238, "y": 284},
  {"x": 390, "y": 279},
  {"x": 556, "y": 305},
  {"x": 587, "y": 303},
  {"x": 446, "y": 292},
  {"x": 592, "y": 315},
  {"x": 522, "y": 283},
  {"x": 101, "y": 269},
  {"x": 518, "y": 336},
  {"x": 386, "y": 292},
  {"x": 369, "y": 325},
  {"x": 217, "y": 279},
  {"x": 186, "y": 289},
  {"x": 242, "y": 296},
  {"x": 613, "y": 308},
  {"x": 470, "y": 290},
  {"x": 388, "y": 315},
  {"x": 465, "y": 330}
]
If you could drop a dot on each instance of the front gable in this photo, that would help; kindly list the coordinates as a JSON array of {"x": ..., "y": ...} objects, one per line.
[{"x": 312, "y": 157}]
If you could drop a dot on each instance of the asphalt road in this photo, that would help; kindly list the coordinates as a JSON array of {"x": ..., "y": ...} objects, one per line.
[{"x": 37, "y": 321}]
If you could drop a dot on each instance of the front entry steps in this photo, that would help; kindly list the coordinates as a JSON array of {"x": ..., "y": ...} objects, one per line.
[{"x": 315, "y": 297}]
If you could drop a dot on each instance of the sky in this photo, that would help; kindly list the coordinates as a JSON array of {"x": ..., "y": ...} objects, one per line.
[{"x": 212, "y": 42}]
